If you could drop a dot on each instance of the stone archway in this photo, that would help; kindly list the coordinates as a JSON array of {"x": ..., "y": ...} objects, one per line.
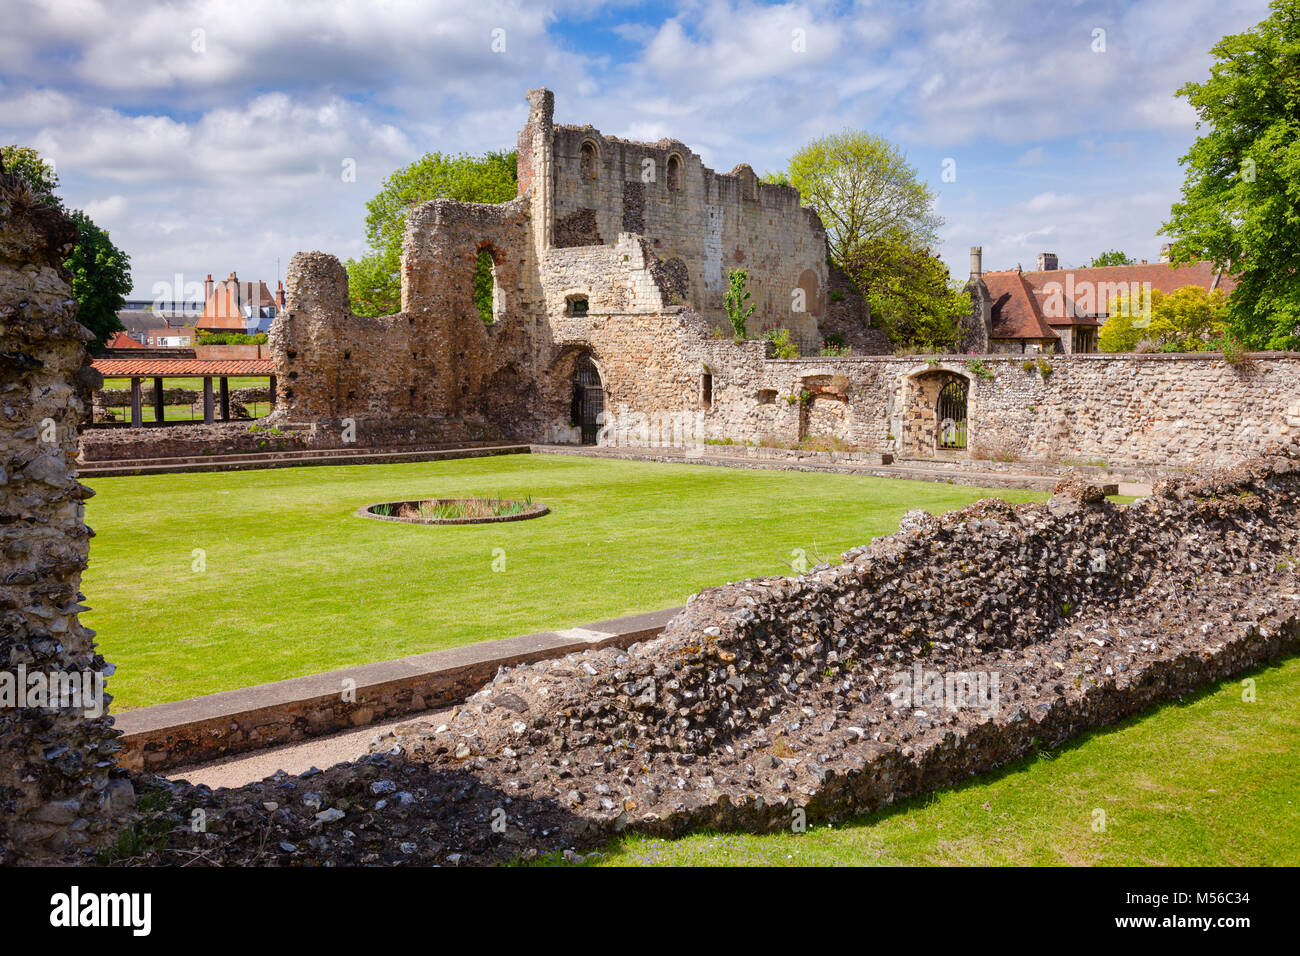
[{"x": 936, "y": 415}]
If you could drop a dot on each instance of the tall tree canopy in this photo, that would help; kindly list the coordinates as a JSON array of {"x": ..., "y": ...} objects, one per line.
[
  {"x": 880, "y": 227},
  {"x": 375, "y": 280},
  {"x": 864, "y": 189},
  {"x": 1240, "y": 205},
  {"x": 101, "y": 272},
  {"x": 101, "y": 279}
]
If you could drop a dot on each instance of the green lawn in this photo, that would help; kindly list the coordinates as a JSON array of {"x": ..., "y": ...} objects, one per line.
[
  {"x": 1209, "y": 781},
  {"x": 293, "y": 584},
  {"x": 194, "y": 383},
  {"x": 183, "y": 413}
]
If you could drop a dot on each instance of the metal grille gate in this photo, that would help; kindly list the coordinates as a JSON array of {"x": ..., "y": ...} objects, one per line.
[
  {"x": 588, "y": 400},
  {"x": 951, "y": 415}
]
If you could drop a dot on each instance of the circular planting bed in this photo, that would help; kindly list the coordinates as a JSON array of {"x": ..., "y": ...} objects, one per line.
[{"x": 454, "y": 510}]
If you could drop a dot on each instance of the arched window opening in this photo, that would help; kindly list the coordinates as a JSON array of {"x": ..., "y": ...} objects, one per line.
[
  {"x": 587, "y": 161},
  {"x": 673, "y": 177},
  {"x": 488, "y": 295}
]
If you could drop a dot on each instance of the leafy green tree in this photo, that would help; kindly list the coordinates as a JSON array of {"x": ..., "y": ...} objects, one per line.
[
  {"x": 734, "y": 300},
  {"x": 1123, "y": 329},
  {"x": 1241, "y": 194},
  {"x": 910, "y": 293},
  {"x": 101, "y": 279},
  {"x": 880, "y": 224},
  {"x": 864, "y": 189},
  {"x": 26, "y": 163},
  {"x": 1189, "y": 319},
  {"x": 375, "y": 280},
  {"x": 1112, "y": 258},
  {"x": 101, "y": 272}
]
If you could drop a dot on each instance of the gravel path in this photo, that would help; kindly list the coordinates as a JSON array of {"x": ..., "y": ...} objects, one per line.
[{"x": 322, "y": 752}]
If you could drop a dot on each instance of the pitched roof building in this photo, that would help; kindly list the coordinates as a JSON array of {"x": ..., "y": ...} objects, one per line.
[
  {"x": 1072, "y": 303},
  {"x": 123, "y": 340},
  {"x": 233, "y": 306},
  {"x": 1006, "y": 315}
]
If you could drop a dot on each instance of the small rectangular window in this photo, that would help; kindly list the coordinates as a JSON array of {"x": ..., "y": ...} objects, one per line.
[{"x": 706, "y": 390}]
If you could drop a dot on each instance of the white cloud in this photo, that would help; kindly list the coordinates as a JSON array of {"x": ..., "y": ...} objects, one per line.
[
  {"x": 106, "y": 212},
  {"x": 226, "y": 154}
]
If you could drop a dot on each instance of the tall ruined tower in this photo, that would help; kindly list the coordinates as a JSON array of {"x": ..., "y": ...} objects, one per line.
[{"x": 536, "y": 150}]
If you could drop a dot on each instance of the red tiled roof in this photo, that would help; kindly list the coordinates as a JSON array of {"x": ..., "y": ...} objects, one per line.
[
  {"x": 1016, "y": 313},
  {"x": 1060, "y": 311},
  {"x": 123, "y": 341},
  {"x": 1163, "y": 276},
  {"x": 188, "y": 367}
]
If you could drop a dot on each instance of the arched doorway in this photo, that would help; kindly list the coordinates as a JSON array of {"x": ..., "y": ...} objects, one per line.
[
  {"x": 950, "y": 413},
  {"x": 588, "y": 407},
  {"x": 935, "y": 415}
]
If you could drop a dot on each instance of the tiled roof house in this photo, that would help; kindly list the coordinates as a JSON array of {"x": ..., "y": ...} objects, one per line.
[
  {"x": 234, "y": 306},
  {"x": 1072, "y": 304}
]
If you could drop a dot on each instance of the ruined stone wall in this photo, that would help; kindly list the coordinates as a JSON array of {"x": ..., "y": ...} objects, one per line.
[
  {"x": 55, "y": 788},
  {"x": 1177, "y": 412},
  {"x": 699, "y": 222}
]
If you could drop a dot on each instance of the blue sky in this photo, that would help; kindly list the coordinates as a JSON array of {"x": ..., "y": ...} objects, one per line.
[{"x": 212, "y": 136}]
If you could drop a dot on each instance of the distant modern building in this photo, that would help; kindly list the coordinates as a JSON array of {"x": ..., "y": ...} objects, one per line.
[
  {"x": 171, "y": 336},
  {"x": 234, "y": 306}
]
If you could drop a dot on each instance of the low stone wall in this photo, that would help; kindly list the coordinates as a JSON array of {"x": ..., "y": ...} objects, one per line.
[
  {"x": 202, "y": 729},
  {"x": 186, "y": 440},
  {"x": 271, "y": 434}
]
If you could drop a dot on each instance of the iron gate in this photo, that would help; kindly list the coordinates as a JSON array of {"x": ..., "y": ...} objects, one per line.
[
  {"x": 951, "y": 415},
  {"x": 588, "y": 400}
]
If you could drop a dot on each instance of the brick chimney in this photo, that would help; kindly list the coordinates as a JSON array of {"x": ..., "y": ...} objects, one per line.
[
  {"x": 977, "y": 327},
  {"x": 279, "y": 295},
  {"x": 1047, "y": 262},
  {"x": 207, "y": 289}
]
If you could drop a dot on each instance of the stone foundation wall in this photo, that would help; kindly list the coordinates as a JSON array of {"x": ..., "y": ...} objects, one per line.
[{"x": 57, "y": 797}]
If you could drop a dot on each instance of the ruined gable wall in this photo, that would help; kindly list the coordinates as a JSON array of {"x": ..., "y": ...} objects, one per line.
[
  {"x": 710, "y": 223},
  {"x": 430, "y": 360},
  {"x": 54, "y": 761}
]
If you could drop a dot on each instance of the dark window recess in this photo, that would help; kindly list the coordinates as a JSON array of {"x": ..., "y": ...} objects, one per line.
[
  {"x": 578, "y": 305},
  {"x": 706, "y": 390}
]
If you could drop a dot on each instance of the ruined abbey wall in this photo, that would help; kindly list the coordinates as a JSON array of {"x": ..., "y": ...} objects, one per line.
[
  {"x": 1170, "y": 411},
  {"x": 56, "y": 754},
  {"x": 602, "y": 252},
  {"x": 617, "y": 252},
  {"x": 700, "y": 223}
]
